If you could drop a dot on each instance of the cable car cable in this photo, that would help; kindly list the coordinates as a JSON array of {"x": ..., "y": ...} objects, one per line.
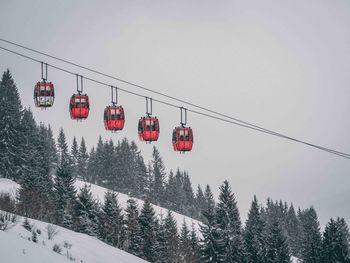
[
  {"x": 163, "y": 94},
  {"x": 140, "y": 87},
  {"x": 249, "y": 126}
]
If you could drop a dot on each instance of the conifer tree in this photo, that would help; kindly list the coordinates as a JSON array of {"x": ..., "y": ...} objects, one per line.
[
  {"x": 211, "y": 243},
  {"x": 36, "y": 184},
  {"x": 170, "y": 192},
  {"x": 91, "y": 167},
  {"x": 51, "y": 149},
  {"x": 133, "y": 234},
  {"x": 254, "y": 238},
  {"x": 148, "y": 227},
  {"x": 86, "y": 212},
  {"x": 195, "y": 245},
  {"x": 344, "y": 238},
  {"x": 200, "y": 202},
  {"x": 188, "y": 196},
  {"x": 171, "y": 238},
  {"x": 187, "y": 248},
  {"x": 112, "y": 229},
  {"x": 74, "y": 155},
  {"x": 161, "y": 254},
  {"x": 10, "y": 119},
  {"x": 209, "y": 199},
  {"x": 228, "y": 220},
  {"x": 98, "y": 163},
  {"x": 335, "y": 245},
  {"x": 138, "y": 173},
  {"x": 158, "y": 174},
  {"x": 64, "y": 189},
  {"x": 107, "y": 162},
  {"x": 276, "y": 245},
  {"x": 310, "y": 238},
  {"x": 292, "y": 229},
  {"x": 82, "y": 162}
]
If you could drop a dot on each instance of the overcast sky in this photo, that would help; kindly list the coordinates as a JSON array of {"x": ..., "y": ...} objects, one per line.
[{"x": 283, "y": 65}]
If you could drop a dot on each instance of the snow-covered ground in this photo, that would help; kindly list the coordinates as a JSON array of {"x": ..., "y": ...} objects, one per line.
[
  {"x": 14, "y": 249},
  {"x": 16, "y": 246},
  {"x": 98, "y": 192},
  {"x": 84, "y": 247}
]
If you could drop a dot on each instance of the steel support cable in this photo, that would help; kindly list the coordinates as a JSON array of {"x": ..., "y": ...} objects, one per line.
[
  {"x": 239, "y": 123},
  {"x": 163, "y": 94},
  {"x": 137, "y": 86}
]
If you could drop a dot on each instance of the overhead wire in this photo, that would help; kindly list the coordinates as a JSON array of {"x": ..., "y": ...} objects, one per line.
[
  {"x": 227, "y": 118},
  {"x": 139, "y": 86}
]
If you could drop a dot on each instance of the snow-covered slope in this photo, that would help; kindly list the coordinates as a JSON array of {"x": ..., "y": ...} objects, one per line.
[
  {"x": 14, "y": 249},
  {"x": 99, "y": 192},
  {"x": 16, "y": 246}
]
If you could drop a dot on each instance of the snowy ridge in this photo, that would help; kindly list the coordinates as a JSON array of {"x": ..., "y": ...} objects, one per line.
[
  {"x": 15, "y": 246},
  {"x": 98, "y": 192}
]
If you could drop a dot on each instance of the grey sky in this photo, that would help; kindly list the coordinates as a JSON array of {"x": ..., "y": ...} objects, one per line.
[{"x": 280, "y": 64}]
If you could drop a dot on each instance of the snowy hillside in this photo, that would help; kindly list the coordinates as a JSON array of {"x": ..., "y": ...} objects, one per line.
[
  {"x": 20, "y": 250},
  {"x": 15, "y": 246},
  {"x": 98, "y": 192}
]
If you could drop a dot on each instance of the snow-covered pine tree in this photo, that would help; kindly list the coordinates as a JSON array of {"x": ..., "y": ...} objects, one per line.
[
  {"x": 47, "y": 149},
  {"x": 91, "y": 167},
  {"x": 97, "y": 162},
  {"x": 344, "y": 237},
  {"x": 209, "y": 199},
  {"x": 254, "y": 239},
  {"x": 276, "y": 245},
  {"x": 109, "y": 163},
  {"x": 111, "y": 223},
  {"x": 34, "y": 194},
  {"x": 158, "y": 174},
  {"x": 82, "y": 161},
  {"x": 51, "y": 149},
  {"x": 170, "y": 192},
  {"x": 161, "y": 242},
  {"x": 139, "y": 186},
  {"x": 229, "y": 223},
  {"x": 186, "y": 252},
  {"x": 200, "y": 202},
  {"x": 148, "y": 227},
  {"x": 292, "y": 228},
  {"x": 133, "y": 234},
  {"x": 64, "y": 189},
  {"x": 189, "y": 204},
  {"x": 335, "y": 245},
  {"x": 196, "y": 249},
  {"x": 74, "y": 154},
  {"x": 10, "y": 119},
  {"x": 179, "y": 202},
  {"x": 310, "y": 237},
  {"x": 86, "y": 212},
  {"x": 211, "y": 243},
  {"x": 171, "y": 238}
]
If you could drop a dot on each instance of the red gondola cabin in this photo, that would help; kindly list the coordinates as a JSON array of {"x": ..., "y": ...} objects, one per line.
[
  {"x": 148, "y": 129},
  {"x": 79, "y": 106},
  {"x": 182, "y": 139},
  {"x": 114, "y": 118},
  {"x": 44, "y": 94}
]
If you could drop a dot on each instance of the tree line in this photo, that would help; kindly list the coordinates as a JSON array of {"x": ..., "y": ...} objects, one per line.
[{"x": 46, "y": 171}]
